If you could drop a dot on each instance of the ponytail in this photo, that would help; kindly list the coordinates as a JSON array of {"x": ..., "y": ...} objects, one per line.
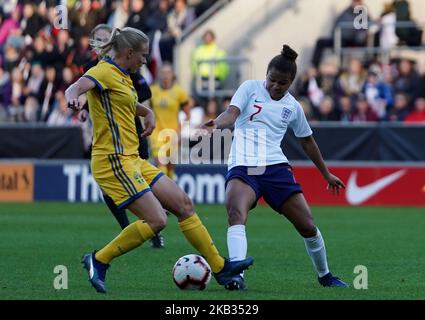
[
  {"x": 285, "y": 61},
  {"x": 120, "y": 40}
]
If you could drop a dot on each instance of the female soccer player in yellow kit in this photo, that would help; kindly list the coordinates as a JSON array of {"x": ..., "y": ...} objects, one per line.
[
  {"x": 117, "y": 168},
  {"x": 168, "y": 97}
]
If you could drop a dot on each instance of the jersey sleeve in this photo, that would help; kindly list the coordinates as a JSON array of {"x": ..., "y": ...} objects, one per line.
[
  {"x": 182, "y": 96},
  {"x": 100, "y": 75},
  {"x": 299, "y": 123},
  {"x": 241, "y": 97}
]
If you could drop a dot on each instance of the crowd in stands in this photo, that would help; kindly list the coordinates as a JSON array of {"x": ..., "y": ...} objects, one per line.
[
  {"x": 366, "y": 88},
  {"x": 39, "y": 61},
  {"x": 363, "y": 92}
]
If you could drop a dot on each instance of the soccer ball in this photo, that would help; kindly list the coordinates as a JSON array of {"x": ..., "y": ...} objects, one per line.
[{"x": 192, "y": 272}]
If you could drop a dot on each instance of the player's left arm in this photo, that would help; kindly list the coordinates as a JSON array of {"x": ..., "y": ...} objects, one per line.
[
  {"x": 312, "y": 150},
  {"x": 149, "y": 116}
]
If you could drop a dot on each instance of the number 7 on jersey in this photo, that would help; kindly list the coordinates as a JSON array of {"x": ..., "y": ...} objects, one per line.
[{"x": 256, "y": 112}]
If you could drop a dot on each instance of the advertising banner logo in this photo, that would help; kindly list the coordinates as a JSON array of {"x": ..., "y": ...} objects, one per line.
[{"x": 16, "y": 182}]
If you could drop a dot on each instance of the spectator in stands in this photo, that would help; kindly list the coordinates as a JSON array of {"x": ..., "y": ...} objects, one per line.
[
  {"x": 5, "y": 94},
  {"x": 209, "y": 50},
  {"x": 139, "y": 14},
  {"x": 363, "y": 112},
  {"x": 31, "y": 92},
  {"x": 63, "y": 50},
  {"x": 158, "y": 19},
  {"x": 178, "y": 20},
  {"x": 9, "y": 24},
  {"x": 418, "y": 114},
  {"x": 410, "y": 35},
  {"x": 350, "y": 37},
  {"x": 225, "y": 103},
  {"x": 16, "y": 109},
  {"x": 11, "y": 58},
  {"x": 211, "y": 110},
  {"x": 351, "y": 82},
  {"x": 378, "y": 94},
  {"x": 120, "y": 14},
  {"x": 387, "y": 35},
  {"x": 345, "y": 105},
  {"x": 61, "y": 114},
  {"x": 191, "y": 117},
  {"x": 31, "y": 22},
  {"x": 84, "y": 18},
  {"x": 401, "y": 108},
  {"x": 327, "y": 110},
  {"x": 82, "y": 52},
  {"x": 47, "y": 92},
  {"x": 307, "y": 108},
  {"x": 67, "y": 78},
  {"x": 408, "y": 80},
  {"x": 37, "y": 51},
  {"x": 309, "y": 86}
]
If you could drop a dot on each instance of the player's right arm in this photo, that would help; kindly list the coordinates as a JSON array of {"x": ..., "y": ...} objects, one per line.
[
  {"x": 228, "y": 118},
  {"x": 79, "y": 87},
  {"x": 224, "y": 120}
]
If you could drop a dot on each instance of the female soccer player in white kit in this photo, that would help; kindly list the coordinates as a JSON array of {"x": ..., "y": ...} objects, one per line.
[{"x": 261, "y": 112}]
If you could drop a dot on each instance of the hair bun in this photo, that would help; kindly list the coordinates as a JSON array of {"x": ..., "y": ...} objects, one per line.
[{"x": 288, "y": 53}]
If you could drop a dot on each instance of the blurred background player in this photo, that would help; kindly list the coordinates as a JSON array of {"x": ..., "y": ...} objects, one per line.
[
  {"x": 266, "y": 107},
  {"x": 101, "y": 34},
  {"x": 168, "y": 98}
]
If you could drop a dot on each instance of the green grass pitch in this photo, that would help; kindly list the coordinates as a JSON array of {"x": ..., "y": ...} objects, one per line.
[{"x": 388, "y": 241}]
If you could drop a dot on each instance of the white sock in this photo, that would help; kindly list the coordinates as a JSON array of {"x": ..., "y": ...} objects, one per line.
[
  {"x": 316, "y": 250},
  {"x": 236, "y": 242}
]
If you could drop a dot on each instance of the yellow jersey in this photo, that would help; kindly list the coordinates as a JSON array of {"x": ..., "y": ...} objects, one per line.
[
  {"x": 166, "y": 106},
  {"x": 112, "y": 107}
]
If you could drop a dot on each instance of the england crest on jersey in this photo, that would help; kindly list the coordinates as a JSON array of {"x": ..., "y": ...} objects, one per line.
[{"x": 286, "y": 114}]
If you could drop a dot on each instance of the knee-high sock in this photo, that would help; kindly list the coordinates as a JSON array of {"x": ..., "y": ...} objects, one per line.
[
  {"x": 119, "y": 214},
  {"x": 316, "y": 250},
  {"x": 236, "y": 242},
  {"x": 196, "y": 233},
  {"x": 129, "y": 238}
]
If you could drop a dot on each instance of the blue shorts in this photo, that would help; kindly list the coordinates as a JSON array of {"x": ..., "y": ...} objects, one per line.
[{"x": 275, "y": 185}]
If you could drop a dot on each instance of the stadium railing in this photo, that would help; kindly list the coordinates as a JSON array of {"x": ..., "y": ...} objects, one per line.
[
  {"x": 384, "y": 53},
  {"x": 240, "y": 69}
]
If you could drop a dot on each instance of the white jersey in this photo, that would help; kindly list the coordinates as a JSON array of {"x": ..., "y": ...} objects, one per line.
[{"x": 261, "y": 125}]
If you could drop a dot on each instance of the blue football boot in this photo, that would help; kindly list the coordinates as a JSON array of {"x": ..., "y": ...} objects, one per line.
[
  {"x": 231, "y": 269},
  {"x": 329, "y": 280},
  {"x": 96, "y": 270}
]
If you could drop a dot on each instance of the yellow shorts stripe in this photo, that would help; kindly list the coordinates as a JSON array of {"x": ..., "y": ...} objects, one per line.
[
  {"x": 119, "y": 177},
  {"x": 120, "y": 169},
  {"x": 124, "y": 177}
]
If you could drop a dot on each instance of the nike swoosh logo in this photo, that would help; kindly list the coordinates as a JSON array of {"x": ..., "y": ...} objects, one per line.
[
  {"x": 258, "y": 101},
  {"x": 357, "y": 195}
]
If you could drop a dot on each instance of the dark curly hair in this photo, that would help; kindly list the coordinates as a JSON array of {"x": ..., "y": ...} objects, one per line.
[{"x": 285, "y": 61}]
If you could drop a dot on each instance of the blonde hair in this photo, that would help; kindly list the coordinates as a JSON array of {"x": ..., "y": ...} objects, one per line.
[
  {"x": 94, "y": 43},
  {"x": 120, "y": 40}
]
